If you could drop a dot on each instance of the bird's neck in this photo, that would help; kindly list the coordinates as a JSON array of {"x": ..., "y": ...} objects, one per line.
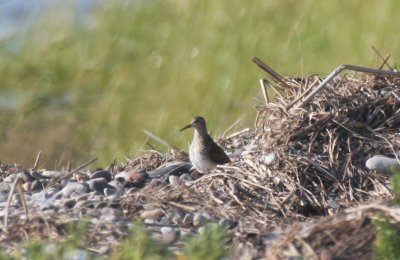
[{"x": 200, "y": 132}]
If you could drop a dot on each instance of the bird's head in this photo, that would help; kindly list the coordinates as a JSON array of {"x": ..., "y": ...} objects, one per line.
[{"x": 198, "y": 123}]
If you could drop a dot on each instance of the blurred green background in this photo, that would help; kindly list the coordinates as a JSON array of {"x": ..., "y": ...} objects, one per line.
[{"x": 75, "y": 91}]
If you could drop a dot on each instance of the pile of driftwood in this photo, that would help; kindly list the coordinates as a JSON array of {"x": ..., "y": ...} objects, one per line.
[{"x": 305, "y": 159}]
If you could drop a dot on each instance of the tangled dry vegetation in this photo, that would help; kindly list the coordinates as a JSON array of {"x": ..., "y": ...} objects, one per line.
[
  {"x": 296, "y": 181},
  {"x": 302, "y": 162}
]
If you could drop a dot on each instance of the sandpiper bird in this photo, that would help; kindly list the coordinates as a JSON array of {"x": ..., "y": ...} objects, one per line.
[{"x": 204, "y": 153}]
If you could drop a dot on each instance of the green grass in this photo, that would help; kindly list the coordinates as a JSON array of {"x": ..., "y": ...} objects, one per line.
[
  {"x": 152, "y": 65},
  {"x": 387, "y": 239},
  {"x": 137, "y": 244}
]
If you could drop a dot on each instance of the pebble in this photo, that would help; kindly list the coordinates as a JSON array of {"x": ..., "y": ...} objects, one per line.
[
  {"x": 38, "y": 185},
  {"x": 153, "y": 214},
  {"x": 93, "y": 213},
  {"x": 4, "y": 187},
  {"x": 101, "y": 174},
  {"x": 110, "y": 191},
  {"x": 185, "y": 177},
  {"x": 195, "y": 175},
  {"x": 52, "y": 174},
  {"x": 229, "y": 223},
  {"x": 135, "y": 179},
  {"x": 110, "y": 214},
  {"x": 333, "y": 204},
  {"x": 200, "y": 218},
  {"x": 79, "y": 177},
  {"x": 117, "y": 183},
  {"x": 76, "y": 254},
  {"x": 103, "y": 250},
  {"x": 155, "y": 182},
  {"x": 68, "y": 204},
  {"x": 10, "y": 178},
  {"x": 171, "y": 168},
  {"x": 84, "y": 204},
  {"x": 268, "y": 159},
  {"x": 37, "y": 175},
  {"x": 175, "y": 181},
  {"x": 3, "y": 197},
  {"x": 382, "y": 164},
  {"x": 101, "y": 204},
  {"x": 99, "y": 185},
  {"x": 166, "y": 230},
  {"x": 74, "y": 189},
  {"x": 25, "y": 176},
  {"x": 167, "y": 237},
  {"x": 265, "y": 239},
  {"x": 120, "y": 175},
  {"x": 237, "y": 152},
  {"x": 84, "y": 196}
]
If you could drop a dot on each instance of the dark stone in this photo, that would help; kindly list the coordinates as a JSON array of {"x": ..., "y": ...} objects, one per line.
[
  {"x": 175, "y": 168},
  {"x": 96, "y": 185},
  {"x": 101, "y": 174}
]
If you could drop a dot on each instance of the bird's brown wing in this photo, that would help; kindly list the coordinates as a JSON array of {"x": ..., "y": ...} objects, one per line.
[{"x": 216, "y": 153}]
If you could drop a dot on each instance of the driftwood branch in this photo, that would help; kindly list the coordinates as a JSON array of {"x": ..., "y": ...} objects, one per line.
[
  {"x": 336, "y": 72},
  {"x": 269, "y": 70}
]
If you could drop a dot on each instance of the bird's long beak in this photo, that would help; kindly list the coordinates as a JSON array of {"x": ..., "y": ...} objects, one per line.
[{"x": 186, "y": 127}]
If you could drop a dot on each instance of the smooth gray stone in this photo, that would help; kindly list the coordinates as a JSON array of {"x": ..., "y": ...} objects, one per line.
[
  {"x": 333, "y": 204},
  {"x": 10, "y": 178},
  {"x": 185, "y": 177},
  {"x": 120, "y": 175},
  {"x": 68, "y": 204},
  {"x": 37, "y": 175},
  {"x": 77, "y": 254},
  {"x": 238, "y": 152},
  {"x": 101, "y": 174},
  {"x": 382, "y": 164},
  {"x": 110, "y": 192},
  {"x": 173, "y": 168},
  {"x": 175, "y": 181},
  {"x": 96, "y": 185},
  {"x": 268, "y": 159},
  {"x": 74, "y": 189},
  {"x": 52, "y": 174},
  {"x": 229, "y": 223},
  {"x": 200, "y": 218},
  {"x": 25, "y": 176},
  {"x": 84, "y": 204},
  {"x": 4, "y": 187},
  {"x": 118, "y": 183}
]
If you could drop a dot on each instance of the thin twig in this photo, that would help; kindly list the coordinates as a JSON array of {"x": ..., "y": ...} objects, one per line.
[
  {"x": 383, "y": 59},
  {"x": 269, "y": 70},
  {"x": 37, "y": 160},
  {"x": 10, "y": 194},
  {"x": 161, "y": 141},
  {"x": 22, "y": 199},
  {"x": 231, "y": 127},
  {"x": 263, "y": 83},
  {"x": 232, "y": 176},
  {"x": 69, "y": 174}
]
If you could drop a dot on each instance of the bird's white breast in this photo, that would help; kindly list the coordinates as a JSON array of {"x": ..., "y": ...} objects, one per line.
[{"x": 200, "y": 160}]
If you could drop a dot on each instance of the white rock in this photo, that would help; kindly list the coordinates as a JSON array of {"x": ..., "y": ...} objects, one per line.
[
  {"x": 382, "y": 164},
  {"x": 268, "y": 159},
  {"x": 175, "y": 181}
]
